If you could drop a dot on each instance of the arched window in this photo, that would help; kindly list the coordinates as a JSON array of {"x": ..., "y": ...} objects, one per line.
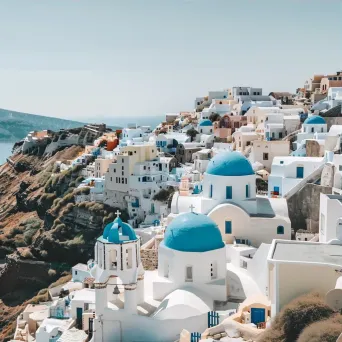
[{"x": 280, "y": 230}]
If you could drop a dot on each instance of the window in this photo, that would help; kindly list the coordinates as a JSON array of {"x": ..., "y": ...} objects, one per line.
[
  {"x": 229, "y": 192},
  {"x": 144, "y": 167},
  {"x": 111, "y": 179},
  {"x": 213, "y": 270},
  {"x": 211, "y": 191},
  {"x": 122, "y": 160},
  {"x": 281, "y": 162},
  {"x": 228, "y": 227},
  {"x": 312, "y": 130},
  {"x": 340, "y": 167},
  {"x": 322, "y": 129},
  {"x": 123, "y": 168},
  {"x": 188, "y": 273},
  {"x": 139, "y": 179},
  {"x": 265, "y": 156},
  {"x": 280, "y": 230},
  {"x": 123, "y": 180},
  {"x": 247, "y": 191},
  {"x": 166, "y": 269},
  {"x": 114, "y": 170},
  {"x": 75, "y": 272}
]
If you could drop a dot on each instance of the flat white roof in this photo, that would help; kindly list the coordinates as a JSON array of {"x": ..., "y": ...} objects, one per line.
[
  {"x": 307, "y": 252},
  {"x": 86, "y": 295}
]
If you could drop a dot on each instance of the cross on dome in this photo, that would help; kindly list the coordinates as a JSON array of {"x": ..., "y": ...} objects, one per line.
[
  {"x": 192, "y": 207},
  {"x": 117, "y": 213}
]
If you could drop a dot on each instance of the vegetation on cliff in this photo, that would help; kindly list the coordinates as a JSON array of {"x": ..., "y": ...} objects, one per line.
[{"x": 305, "y": 319}]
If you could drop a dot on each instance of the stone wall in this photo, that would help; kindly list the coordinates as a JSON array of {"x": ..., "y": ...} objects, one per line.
[
  {"x": 303, "y": 207},
  {"x": 149, "y": 259},
  {"x": 313, "y": 149}
]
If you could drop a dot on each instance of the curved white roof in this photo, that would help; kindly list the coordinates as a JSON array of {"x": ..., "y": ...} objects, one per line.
[{"x": 184, "y": 303}]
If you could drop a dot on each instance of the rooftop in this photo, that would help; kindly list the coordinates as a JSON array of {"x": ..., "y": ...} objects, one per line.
[{"x": 307, "y": 252}]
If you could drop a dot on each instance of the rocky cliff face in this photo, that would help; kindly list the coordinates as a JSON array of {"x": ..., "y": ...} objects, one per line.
[
  {"x": 43, "y": 232},
  {"x": 38, "y": 211}
]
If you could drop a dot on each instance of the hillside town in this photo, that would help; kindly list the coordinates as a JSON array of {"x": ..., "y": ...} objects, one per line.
[{"x": 223, "y": 216}]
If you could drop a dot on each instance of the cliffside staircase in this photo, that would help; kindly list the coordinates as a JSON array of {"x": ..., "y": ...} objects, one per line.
[{"x": 312, "y": 178}]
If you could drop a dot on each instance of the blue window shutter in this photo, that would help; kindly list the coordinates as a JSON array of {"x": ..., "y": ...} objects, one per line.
[
  {"x": 228, "y": 229},
  {"x": 229, "y": 192},
  {"x": 280, "y": 230}
]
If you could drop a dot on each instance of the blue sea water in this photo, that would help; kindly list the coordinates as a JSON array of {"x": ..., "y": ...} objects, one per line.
[{"x": 5, "y": 151}]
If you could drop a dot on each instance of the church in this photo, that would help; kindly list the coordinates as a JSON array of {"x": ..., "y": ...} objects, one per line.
[
  {"x": 229, "y": 198},
  {"x": 131, "y": 305}
]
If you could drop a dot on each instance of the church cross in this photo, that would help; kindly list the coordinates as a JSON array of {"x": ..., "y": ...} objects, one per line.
[
  {"x": 117, "y": 213},
  {"x": 192, "y": 207}
]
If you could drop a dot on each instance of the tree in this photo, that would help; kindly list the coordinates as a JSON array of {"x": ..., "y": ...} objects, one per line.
[
  {"x": 191, "y": 133},
  {"x": 214, "y": 117}
]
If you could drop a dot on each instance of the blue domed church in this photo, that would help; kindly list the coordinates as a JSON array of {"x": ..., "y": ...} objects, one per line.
[
  {"x": 229, "y": 199},
  {"x": 193, "y": 255}
]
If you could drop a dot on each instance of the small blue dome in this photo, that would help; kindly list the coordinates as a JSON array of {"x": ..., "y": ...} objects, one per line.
[
  {"x": 118, "y": 232},
  {"x": 229, "y": 164},
  {"x": 193, "y": 232},
  {"x": 314, "y": 120},
  {"x": 205, "y": 122},
  {"x": 106, "y": 230}
]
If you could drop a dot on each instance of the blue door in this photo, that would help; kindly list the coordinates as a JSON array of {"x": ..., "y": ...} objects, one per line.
[
  {"x": 228, "y": 227},
  {"x": 300, "y": 171},
  {"x": 79, "y": 312},
  {"x": 257, "y": 315}
]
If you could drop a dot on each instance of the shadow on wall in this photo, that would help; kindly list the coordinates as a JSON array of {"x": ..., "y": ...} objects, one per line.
[{"x": 304, "y": 205}]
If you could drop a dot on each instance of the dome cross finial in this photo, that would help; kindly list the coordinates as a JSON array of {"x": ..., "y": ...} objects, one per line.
[
  {"x": 192, "y": 207},
  {"x": 117, "y": 213}
]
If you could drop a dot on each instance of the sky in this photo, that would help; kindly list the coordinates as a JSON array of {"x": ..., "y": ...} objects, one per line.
[{"x": 85, "y": 59}]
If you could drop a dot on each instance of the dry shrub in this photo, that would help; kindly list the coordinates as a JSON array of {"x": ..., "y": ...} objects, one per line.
[
  {"x": 295, "y": 317},
  {"x": 61, "y": 281},
  {"x": 324, "y": 331}
]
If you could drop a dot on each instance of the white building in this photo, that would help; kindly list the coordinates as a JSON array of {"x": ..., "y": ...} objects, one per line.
[
  {"x": 288, "y": 172},
  {"x": 201, "y": 159},
  {"x": 263, "y": 151},
  {"x": 330, "y": 218},
  {"x": 205, "y": 127},
  {"x": 229, "y": 199},
  {"x": 313, "y": 127},
  {"x": 192, "y": 255},
  {"x": 296, "y": 268}
]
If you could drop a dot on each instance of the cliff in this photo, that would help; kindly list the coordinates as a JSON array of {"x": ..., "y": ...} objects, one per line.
[{"x": 43, "y": 232}]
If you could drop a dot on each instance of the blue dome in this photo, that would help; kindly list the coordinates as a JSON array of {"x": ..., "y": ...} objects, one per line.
[
  {"x": 229, "y": 164},
  {"x": 205, "y": 122},
  {"x": 314, "y": 120},
  {"x": 193, "y": 232},
  {"x": 118, "y": 232}
]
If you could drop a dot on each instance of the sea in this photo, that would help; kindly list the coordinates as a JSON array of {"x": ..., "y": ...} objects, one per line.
[{"x": 5, "y": 151}]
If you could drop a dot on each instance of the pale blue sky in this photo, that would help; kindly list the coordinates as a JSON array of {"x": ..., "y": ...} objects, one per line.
[{"x": 82, "y": 59}]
